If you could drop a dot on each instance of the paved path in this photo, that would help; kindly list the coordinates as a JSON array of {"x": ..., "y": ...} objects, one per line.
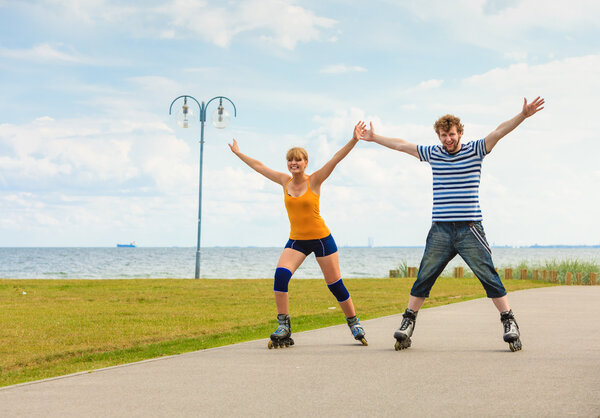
[{"x": 458, "y": 366}]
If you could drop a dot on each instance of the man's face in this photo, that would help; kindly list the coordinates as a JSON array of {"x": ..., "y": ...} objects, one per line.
[{"x": 450, "y": 140}]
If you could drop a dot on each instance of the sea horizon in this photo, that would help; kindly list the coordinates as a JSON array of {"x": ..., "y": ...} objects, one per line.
[
  {"x": 267, "y": 246},
  {"x": 243, "y": 262}
]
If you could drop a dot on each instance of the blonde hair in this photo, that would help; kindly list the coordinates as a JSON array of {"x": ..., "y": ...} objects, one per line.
[
  {"x": 446, "y": 122},
  {"x": 297, "y": 153}
]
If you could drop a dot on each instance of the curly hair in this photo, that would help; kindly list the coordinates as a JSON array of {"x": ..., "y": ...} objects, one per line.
[
  {"x": 297, "y": 153},
  {"x": 446, "y": 122}
]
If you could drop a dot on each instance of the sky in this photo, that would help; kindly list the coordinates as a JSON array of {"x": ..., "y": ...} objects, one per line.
[{"x": 89, "y": 155}]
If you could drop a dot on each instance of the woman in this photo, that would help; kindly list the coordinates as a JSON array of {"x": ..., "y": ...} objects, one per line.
[{"x": 308, "y": 234}]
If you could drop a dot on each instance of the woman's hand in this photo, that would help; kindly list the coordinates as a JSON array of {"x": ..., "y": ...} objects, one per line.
[
  {"x": 234, "y": 147},
  {"x": 359, "y": 130}
]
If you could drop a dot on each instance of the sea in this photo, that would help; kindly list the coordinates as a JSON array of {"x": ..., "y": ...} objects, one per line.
[{"x": 241, "y": 263}]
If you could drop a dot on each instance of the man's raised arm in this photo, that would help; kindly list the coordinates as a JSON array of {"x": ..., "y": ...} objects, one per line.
[
  {"x": 392, "y": 143},
  {"x": 529, "y": 109}
]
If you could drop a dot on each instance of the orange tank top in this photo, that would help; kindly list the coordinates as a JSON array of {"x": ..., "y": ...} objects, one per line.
[{"x": 305, "y": 218}]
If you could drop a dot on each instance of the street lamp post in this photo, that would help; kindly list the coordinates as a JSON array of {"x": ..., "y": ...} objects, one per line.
[{"x": 220, "y": 119}]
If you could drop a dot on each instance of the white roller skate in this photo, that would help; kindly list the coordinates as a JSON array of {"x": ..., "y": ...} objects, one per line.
[
  {"x": 511, "y": 330},
  {"x": 357, "y": 330},
  {"x": 282, "y": 337},
  {"x": 403, "y": 334}
]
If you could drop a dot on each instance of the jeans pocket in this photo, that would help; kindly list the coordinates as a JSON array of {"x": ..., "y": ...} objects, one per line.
[{"x": 431, "y": 231}]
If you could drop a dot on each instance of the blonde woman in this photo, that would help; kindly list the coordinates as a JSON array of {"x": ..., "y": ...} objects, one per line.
[{"x": 308, "y": 233}]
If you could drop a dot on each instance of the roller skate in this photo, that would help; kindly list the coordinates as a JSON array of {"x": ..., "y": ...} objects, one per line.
[
  {"x": 282, "y": 337},
  {"x": 357, "y": 330},
  {"x": 403, "y": 334},
  {"x": 511, "y": 330}
]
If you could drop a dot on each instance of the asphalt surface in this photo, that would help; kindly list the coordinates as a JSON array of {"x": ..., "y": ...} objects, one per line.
[{"x": 458, "y": 366}]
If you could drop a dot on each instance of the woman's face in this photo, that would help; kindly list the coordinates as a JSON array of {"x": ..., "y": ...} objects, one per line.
[{"x": 297, "y": 165}]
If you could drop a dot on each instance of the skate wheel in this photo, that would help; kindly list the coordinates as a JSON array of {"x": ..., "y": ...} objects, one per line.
[
  {"x": 270, "y": 344},
  {"x": 515, "y": 345},
  {"x": 401, "y": 345},
  {"x": 287, "y": 343},
  {"x": 364, "y": 341}
]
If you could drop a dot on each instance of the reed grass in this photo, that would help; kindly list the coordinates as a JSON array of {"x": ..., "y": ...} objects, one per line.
[
  {"x": 585, "y": 267},
  {"x": 561, "y": 266},
  {"x": 403, "y": 268}
]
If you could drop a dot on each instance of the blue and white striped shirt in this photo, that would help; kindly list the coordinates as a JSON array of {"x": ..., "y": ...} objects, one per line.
[{"x": 455, "y": 181}]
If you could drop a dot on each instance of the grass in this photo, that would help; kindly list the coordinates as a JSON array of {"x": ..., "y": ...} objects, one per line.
[{"x": 54, "y": 327}]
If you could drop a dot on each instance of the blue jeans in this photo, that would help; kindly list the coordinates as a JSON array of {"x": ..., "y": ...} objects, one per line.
[{"x": 444, "y": 241}]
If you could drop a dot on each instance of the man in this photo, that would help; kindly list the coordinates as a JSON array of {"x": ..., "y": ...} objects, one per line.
[{"x": 456, "y": 227}]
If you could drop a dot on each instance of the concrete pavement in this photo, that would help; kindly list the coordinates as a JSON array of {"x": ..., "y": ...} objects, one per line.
[{"x": 458, "y": 366}]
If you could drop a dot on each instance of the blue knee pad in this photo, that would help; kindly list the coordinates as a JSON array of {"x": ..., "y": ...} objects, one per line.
[
  {"x": 339, "y": 291},
  {"x": 282, "y": 278}
]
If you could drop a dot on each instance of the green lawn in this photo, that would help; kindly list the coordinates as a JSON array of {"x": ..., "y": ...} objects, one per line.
[{"x": 55, "y": 327}]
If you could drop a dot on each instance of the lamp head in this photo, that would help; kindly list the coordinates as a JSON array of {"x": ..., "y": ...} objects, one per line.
[
  {"x": 220, "y": 117},
  {"x": 185, "y": 116}
]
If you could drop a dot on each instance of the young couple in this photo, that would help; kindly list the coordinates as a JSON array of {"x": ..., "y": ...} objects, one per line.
[{"x": 456, "y": 227}]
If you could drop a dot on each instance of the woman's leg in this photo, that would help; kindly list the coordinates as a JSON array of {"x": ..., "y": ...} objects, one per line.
[
  {"x": 290, "y": 260},
  {"x": 330, "y": 267}
]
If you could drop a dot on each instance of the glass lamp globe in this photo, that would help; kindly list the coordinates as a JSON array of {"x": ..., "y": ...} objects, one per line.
[
  {"x": 220, "y": 118},
  {"x": 185, "y": 116}
]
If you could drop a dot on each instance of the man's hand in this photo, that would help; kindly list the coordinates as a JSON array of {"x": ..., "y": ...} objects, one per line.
[
  {"x": 368, "y": 135},
  {"x": 533, "y": 107}
]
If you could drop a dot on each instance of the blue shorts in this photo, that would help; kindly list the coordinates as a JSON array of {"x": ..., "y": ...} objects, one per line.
[{"x": 321, "y": 247}]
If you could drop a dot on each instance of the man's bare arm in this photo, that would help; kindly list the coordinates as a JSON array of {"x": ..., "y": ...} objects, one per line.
[
  {"x": 505, "y": 127},
  {"x": 397, "y": 144}
]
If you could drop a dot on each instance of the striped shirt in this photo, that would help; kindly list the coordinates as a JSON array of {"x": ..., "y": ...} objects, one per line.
[{"x": 455, "y": 181}]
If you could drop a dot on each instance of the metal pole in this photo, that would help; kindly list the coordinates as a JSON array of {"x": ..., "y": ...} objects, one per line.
[
  {"x": 202, "y": 120},
  {"x": 203, "y": 108}
]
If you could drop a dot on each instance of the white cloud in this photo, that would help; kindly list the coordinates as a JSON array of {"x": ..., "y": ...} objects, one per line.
[
  {"x": 103, "y": 156},
  {"x": 105, "y": 177},
  {"x": 342, "y": 69},
  {"x": 318, "y": 102},
  {"x": 570, "y": 87},
  {"x": 42, "y": 52},
  {"x": 338, "y": 127},
  {"x": 43, "y": 119},
  {"x": 285, "y": 23},
  {"x": 272, "y": 22},
  {"x": 208, "y": 71},
  {"x": 544, "y": 173},
  {"x": 537, "y": 172},
  {"x": 276, "y": 22},
  {"x": 516, "y": 56},
  {"x": 518, "y": 15},
  {"x": 430, "y": 84},
  {"x": 497, "y": 24}
]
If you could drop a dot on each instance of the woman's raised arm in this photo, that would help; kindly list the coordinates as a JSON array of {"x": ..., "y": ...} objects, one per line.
[
  {"x": 319, "y": 176},
  {"x": 276, "y": 176}
]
